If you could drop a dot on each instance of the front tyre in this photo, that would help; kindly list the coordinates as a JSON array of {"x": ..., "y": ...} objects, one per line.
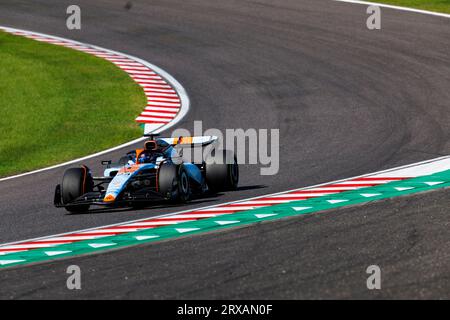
[
  {"x": 184, "y": 187},
  {"x": 173, "y": 182},
  {"x": 76, "y": 182}
]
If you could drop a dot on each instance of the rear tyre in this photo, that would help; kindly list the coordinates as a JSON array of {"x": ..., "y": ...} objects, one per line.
[
  {"x": 222, "y": 171},
  {"x": 76, "y": 182}
]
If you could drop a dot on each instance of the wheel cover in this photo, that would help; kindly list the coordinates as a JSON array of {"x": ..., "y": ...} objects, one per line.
[{"x": 184, "y": 183}]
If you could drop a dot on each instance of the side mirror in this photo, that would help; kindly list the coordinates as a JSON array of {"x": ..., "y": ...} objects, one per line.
[{"x": 106, "y": 163}]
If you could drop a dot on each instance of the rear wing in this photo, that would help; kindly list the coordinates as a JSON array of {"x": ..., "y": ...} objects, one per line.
[{"x": 190, "y": 141}]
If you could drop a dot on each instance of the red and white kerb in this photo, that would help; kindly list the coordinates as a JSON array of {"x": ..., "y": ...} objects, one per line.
[{"x": 176, "y": 219}]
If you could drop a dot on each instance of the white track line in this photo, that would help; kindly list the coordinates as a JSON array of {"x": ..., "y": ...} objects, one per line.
[
  {"x": 368, "y": 3},
  {"x": 156, "y": 128}
]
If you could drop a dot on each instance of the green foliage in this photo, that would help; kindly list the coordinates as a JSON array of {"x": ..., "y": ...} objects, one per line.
[{"x": 58, "y": 104}]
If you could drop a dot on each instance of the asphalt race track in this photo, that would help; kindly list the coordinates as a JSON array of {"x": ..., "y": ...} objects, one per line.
[{"x": 347, "y": 101}]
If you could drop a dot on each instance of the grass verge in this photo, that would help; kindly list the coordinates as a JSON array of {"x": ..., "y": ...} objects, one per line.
[
  {"x": 442, "y": 6},
  {"x": 58, "y": 104}
]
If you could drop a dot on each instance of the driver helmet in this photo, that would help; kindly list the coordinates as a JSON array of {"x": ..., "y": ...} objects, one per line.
[{"x": 145, "y": 157}]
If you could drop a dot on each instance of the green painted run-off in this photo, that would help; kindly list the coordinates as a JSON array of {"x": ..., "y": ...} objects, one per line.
[{"x": 294, "y": 208}]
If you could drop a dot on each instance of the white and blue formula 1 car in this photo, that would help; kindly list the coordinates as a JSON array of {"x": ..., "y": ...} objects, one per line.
[{"x": 156, "y": 172}]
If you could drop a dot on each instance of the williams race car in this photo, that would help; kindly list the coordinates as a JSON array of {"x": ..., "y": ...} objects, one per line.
[{"x": 156, "y": 172}]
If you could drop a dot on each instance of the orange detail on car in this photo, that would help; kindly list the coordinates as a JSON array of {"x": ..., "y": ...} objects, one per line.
[
  {"x": 138, "y": 154},
  {"x": 109, "y": 198},
  {"x": 184, "y": 140},
  {"x": 130, "y": 169}
]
